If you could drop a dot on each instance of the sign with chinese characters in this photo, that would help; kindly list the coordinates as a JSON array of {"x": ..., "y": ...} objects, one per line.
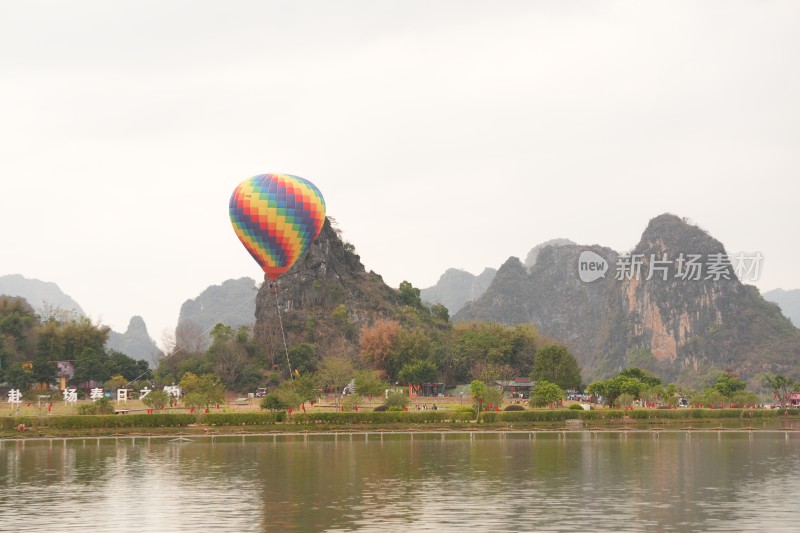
[
  {"x": 144, "y": 392},
  {"x": 96, "y": 394},
  {"x": 14, "y": 396},
  {"x": 70, "y": 396},
  {"x": 122, "y": 395},
  {"x": 173, "y": 390}
]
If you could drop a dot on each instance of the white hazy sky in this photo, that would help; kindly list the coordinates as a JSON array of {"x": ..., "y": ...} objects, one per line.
[{"x": 442, "y": 134}]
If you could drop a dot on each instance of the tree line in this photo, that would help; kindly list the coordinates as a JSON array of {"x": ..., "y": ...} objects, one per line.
[{"x": 31, "y": 344}]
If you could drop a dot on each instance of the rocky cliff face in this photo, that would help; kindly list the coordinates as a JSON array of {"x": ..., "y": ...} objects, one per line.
[
  {"x": 328, "y": 277},
  {"x": 135, "y": 342},
  {"x": 648, "y": 310},
  {"x": 231, "y": 303},
  {"x": 530, "y": 259}
]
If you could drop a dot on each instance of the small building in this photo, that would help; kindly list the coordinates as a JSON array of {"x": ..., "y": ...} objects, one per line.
[
  {"x": 66, "y": 371},
  {"x": 426, "y": 389},
  {"x": 794, "y": 400},
  {"x": 518, "y": 387}
]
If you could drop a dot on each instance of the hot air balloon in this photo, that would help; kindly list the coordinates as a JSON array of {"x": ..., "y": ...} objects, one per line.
[{"x": 277, "y": 217}]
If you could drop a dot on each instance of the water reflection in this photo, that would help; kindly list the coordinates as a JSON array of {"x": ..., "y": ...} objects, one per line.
[{"x": 514, "y": 482}]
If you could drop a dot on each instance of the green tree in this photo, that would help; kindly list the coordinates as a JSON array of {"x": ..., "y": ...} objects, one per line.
[
  {"x": 18, "y": 377},
  {"x": 334, "y": 373},
  {"x": 642, "y": 375},
  {"x": 157, "y": 399},
  {"x": 341, "y": 318},
  {"x": 397, "y": 400},
  {"x": 221, "y": 333},
  {"x": 418, "y": 372},
  {"x": 17, "y": 324},
  {"x": 44, "y": 371},
  {"x": 727, "y": 384},
  {"x": 782, "y": 387},
  {"x": 409, "y": 295},
  {"x": 624, "y": 400},
  {"x": 545, "y": 393},
  {"x": 130, "y": 368},
  {"x": 81, "y": 335},
  {"x": 306, "y": 387},
  {"x": 611, "y": 389},
  {"x": 202, "y": 391},
  {"x": 743, "y": 397},
  {"x": 714, "y": 398},
  {"x": 369, "y": 383},
  {"x": 303, "y": 356},
  {"x": 493, "y": 397},
  {"x": 90, "y": 365},
  {"x": 477, "y": 389},
  {"x": 288, "y": 395},
  {"x": 116, "y": 382},
  {"x": 273, "y": 402},
  {"x": 440, "y": 312},
  {"x": 409, "y": 345},
  {"x": 554, "y": 363},
  {"x": 352, "y": 401}
]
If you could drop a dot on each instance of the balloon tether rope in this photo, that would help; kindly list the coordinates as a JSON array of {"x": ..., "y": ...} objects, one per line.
[{"x": 283, "y": 334}]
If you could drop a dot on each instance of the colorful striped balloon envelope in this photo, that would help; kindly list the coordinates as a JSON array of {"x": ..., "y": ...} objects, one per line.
[{"x": 277, "y": 217}]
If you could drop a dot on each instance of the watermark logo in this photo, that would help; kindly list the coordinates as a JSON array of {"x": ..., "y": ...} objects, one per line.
[
  {"x": 591, "y": 266},
  {"x": 682, "y": 266}
]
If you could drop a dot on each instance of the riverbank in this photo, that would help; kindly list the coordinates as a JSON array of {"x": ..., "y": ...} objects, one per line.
[{"x": 185, "y": 424}]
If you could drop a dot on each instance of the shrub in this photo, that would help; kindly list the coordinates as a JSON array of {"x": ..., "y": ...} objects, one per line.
[
  {"x": 110, "y": 421},
  {"x": 98, "y": 407},
  {"x": 462, "y": 414},
  {"x": 274, "y": 402},
  {"x": 239, "y": 419},
  {"x": 397, "y": 399},
  {"x": 156, "y": 399},
  {"x": 514, "y": 407},
  {"x": 576, "y": 407},
  {"x": 351, "y": 401},
  {"x": 380, "y": 408}
]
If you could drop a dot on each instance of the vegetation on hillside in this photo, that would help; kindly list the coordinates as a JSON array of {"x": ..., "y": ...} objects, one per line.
[{"x": 30, "y": 345}]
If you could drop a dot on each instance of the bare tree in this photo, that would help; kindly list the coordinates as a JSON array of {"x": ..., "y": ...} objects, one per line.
[{"x": 190, "y": 338}]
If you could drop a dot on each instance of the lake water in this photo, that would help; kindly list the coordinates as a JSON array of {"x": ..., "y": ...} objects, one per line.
[{"x": 581, "y": 481}]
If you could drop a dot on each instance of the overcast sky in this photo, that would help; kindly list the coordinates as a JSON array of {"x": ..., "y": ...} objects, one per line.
[{"x": 442, "y": 134}]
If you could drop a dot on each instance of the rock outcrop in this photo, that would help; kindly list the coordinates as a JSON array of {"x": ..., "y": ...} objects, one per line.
[
  {"x": 135, "y": 342},
  {"x": 328, "y": 279},
  {"x": 655, "y": 315},
  {"x": 232, "y": 303}
]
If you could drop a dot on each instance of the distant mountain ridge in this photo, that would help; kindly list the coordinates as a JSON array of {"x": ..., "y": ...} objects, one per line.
[
  {"x": 39, "y": 294},
  {"x": 46, "y": 297},
  {"x": 789, "y": 302},
  {"x": 232, "y": 303},
  {"x": 684, "y": 329},
  {"x": 456, "y": 287}
]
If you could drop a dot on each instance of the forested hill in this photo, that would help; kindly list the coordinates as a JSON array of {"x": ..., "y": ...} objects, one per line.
[
  {"x": 682, "y": 328},
  {"x": 332, "y": 308}
]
